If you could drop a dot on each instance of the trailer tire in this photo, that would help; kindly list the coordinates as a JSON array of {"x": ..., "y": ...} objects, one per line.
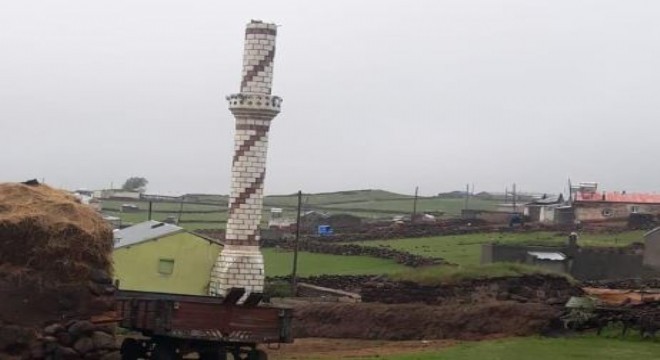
[
  {"x": 130, "y": 349},
  {"x": 213, "y": 355},
  {"x": 164, "y": 351},
  {"x": 257, "y": 354}
]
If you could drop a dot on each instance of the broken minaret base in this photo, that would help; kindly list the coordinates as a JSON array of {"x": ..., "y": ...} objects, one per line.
[{"x": 241, "y": 264}]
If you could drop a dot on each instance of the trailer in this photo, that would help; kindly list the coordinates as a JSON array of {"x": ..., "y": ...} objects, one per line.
[{"x": 173, "y": 326}]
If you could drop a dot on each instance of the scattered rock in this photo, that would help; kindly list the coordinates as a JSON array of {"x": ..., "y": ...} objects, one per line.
[
  {"x": 103, "y": 341},
  {"x": 84, "y": 345},
  {"x": 81, "y": 328},
  {"x": 53, "y": 329},
  {"x": 66, "y": 353},
  {"x": 112, "y": 356}
]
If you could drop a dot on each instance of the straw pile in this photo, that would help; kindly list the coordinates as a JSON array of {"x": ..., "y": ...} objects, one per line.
[
  {"x": 56, "y": 292},
  {"x": 47, "y": 234}
]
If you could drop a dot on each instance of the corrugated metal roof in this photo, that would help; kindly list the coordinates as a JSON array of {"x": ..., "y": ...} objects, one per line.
[
  {"x": 144, "y": 231},
  {"x": 632, "y": 198},
  {"x": 548, "y": 200},
  {"x": 652, "y": 231},
  {"x": 548, "y": 255}
]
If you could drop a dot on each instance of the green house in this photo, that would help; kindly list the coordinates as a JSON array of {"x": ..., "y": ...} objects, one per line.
[{"x": 161, "y": 257}]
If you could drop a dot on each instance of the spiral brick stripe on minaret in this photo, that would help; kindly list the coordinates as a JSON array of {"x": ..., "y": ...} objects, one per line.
[
  {"x": 240, "y": 263},
  {"x": 258, "y": 59}
]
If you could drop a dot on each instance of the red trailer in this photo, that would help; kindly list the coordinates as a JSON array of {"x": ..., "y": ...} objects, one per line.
[{"x": 176, "y": 325}]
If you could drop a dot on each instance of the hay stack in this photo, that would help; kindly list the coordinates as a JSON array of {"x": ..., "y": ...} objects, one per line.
[
  {"x": 49, "y": 234},
  {"x": 55, "y": 284}
]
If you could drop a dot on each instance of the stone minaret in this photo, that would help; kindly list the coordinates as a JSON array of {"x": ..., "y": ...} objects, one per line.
[{"x": 240, "y": 263}]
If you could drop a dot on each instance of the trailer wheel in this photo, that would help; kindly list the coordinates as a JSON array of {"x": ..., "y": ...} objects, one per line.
[
  {"x": 213, "y": 355},
  {"x": 164, "y": 351},
  {"x": 256, "y": 354},
  {"x": 130, "y": 349}
]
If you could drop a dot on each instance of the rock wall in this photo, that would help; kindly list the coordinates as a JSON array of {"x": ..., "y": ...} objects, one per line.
[
  {"x": 56, "y": 292},
  {"x": 545, "y": 289},
  {"x": 73, "y": 321},
  {"x": 401, "y": 257}
]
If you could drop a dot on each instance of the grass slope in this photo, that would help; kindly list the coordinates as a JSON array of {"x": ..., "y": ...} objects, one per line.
[{"x": 466, "y": 249}]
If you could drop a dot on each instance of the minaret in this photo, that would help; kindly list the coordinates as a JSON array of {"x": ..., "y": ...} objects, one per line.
[{"x": 240, "y": 263}]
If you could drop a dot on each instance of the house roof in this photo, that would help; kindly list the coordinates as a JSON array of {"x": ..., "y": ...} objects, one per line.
[
  {"x": 144, "y": 231},
  {"x": 652, "y": 231},
  {"x": 634, "y": 198},
  {"x": 548, "y": 255},
  {"x": 548, "y": 200}
]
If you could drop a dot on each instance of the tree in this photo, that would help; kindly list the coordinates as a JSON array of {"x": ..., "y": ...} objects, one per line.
[{"x": 135, "y": 183}]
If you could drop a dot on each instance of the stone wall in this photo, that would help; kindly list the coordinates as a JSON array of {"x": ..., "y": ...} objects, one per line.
[
  {"x": 401, "y": 257},
  {"x": 38, "y": 321},
  {"x": 547, "y": 289},
  {"x": 600, "y": 264},
  {"x": 584, "y": 264}
]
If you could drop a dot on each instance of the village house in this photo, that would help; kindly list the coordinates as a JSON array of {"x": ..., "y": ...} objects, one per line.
[
  {"x": 591, "y": 205},
  {"x": 161, "y": 257},
  {"x": 543, "y": 209}
]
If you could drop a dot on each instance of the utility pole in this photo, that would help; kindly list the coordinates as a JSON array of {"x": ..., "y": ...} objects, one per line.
[
  {"x": 414, "y": 212},
  {"x": 295, "y": 247},
  {"x": 467, "y": 196},
  {"x": 150, "y": 209},
  {"x": 514, "y": 198},
  {"x": 178, "y": 219}
]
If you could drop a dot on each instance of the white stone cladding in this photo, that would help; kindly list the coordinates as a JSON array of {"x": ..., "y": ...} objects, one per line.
[
  {"x": 258, "y": 55},
  {"x": 240, "y": 264}
]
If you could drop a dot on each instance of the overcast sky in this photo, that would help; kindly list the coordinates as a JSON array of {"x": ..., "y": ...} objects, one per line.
[{"x": 377, "y": 94}]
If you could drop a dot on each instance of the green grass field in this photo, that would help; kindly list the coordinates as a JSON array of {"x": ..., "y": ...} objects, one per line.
[
  {"x": 437, "y": 275},
  {"x": 466, "y": 249},
  {"x": 405, "y": 205},
  {"x": 370, "y": 204},
  {"x": 279, "y": 262},
  {"x": 587, "y": 347}
]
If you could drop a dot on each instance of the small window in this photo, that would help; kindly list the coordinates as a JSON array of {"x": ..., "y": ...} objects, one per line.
[
  {"x": 607, "y": 212},
  {"x": 166, "y": 266},
  {"x": 634, "y": 209}
]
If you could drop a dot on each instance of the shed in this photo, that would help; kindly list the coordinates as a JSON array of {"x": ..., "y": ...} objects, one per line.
[
  {"x": 160, "y": 257},
  {"x": 543, "y": 209}
]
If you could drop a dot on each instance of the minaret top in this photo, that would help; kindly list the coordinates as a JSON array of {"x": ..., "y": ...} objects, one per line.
[{"x": 258, "y": 56}]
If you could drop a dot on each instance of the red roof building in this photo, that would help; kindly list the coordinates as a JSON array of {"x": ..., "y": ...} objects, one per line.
[{"x": 592, "y": 205}]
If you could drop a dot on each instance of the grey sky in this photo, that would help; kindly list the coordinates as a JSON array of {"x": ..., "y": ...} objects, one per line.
[{"x": 377, "y": 94}]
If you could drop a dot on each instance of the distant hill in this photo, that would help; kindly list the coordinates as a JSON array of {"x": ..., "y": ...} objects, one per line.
[{"x": 210, "y": 210}]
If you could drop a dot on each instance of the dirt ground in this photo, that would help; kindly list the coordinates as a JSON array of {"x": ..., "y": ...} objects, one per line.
[
  {"x": 321, "y": 348},
  {"x": 371, "y": 321}
]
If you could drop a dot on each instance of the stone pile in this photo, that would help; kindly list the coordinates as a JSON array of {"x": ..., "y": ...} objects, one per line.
[{"x": 82, "y": 339}]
